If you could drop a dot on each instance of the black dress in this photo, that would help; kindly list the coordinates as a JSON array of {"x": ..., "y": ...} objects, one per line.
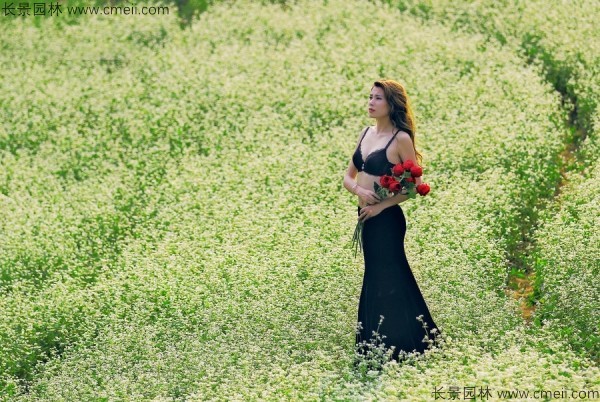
[{"x": 389, "y": 287}]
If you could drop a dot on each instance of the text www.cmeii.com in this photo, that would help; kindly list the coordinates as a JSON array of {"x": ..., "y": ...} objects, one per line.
[{"x": 22, "y": 9}]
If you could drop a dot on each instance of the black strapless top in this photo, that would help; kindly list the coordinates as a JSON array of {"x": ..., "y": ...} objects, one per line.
[{"x": 377, "y": 163}]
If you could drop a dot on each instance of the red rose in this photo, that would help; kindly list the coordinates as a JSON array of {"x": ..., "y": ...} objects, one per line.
[
  {"x": 398, "y": 169},
  {"x": 408, "y": 164},
  {"x": 385, "y": 181},
  {"x": 395, "y": 186},
  {"x": 416, "y": 171},
  {"x": 423, "y": 188},
  {"x": 410, "y": 179}
]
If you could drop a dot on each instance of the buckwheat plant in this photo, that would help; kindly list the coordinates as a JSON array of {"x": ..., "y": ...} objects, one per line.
[{"x": 371, "y": 356}]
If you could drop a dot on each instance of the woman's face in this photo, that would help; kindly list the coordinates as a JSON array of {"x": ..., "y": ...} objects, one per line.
[{"x": 378, "y": 106}]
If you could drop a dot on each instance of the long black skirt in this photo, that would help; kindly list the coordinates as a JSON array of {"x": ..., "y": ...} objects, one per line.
[{"x": 390, "y": 289}]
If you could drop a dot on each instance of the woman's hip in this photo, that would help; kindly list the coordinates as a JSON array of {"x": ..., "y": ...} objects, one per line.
[
  {"x": 392, "y": 215},
  {"x": 388, "y": 210}
]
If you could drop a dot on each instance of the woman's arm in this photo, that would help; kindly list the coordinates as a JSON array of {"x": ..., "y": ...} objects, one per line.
[
  {"x": 404, "y": 148},
  {"x": 388, "y": 202},
  {"x": 349, "y": 178}
]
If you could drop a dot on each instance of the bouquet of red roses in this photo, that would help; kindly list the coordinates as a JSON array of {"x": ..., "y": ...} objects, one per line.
[{"x": 401, "y": 181}]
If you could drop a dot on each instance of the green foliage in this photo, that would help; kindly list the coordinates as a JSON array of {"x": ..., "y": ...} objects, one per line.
[
  {"x": 173, "y": 221},
  {"x": 556, "y": 36}
]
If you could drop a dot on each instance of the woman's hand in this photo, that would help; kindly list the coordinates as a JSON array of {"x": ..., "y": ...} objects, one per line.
[
  {"x": 367, "y": 196},
  {"x": 369, "y": 211}
]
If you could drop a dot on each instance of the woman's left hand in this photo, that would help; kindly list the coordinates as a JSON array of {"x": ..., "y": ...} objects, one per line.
[{"x": 369, "y": 211}]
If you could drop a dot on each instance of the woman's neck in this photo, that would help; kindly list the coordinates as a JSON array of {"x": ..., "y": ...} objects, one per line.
[{"x": 383, "y": 125}]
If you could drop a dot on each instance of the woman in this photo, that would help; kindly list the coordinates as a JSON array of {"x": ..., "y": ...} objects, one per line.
[{"x": 389, "y": 287}]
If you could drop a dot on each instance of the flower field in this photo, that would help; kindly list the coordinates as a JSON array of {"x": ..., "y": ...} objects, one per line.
[
  {"x": 173, "y": 224},
  {"x": 558, "y": 36}
]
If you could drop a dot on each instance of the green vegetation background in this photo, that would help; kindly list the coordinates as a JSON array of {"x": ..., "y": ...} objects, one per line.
[{"x": 173, "y": 224}]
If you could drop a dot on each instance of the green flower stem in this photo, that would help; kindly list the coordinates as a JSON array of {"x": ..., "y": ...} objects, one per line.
[{"x": 357, "y": 238}]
